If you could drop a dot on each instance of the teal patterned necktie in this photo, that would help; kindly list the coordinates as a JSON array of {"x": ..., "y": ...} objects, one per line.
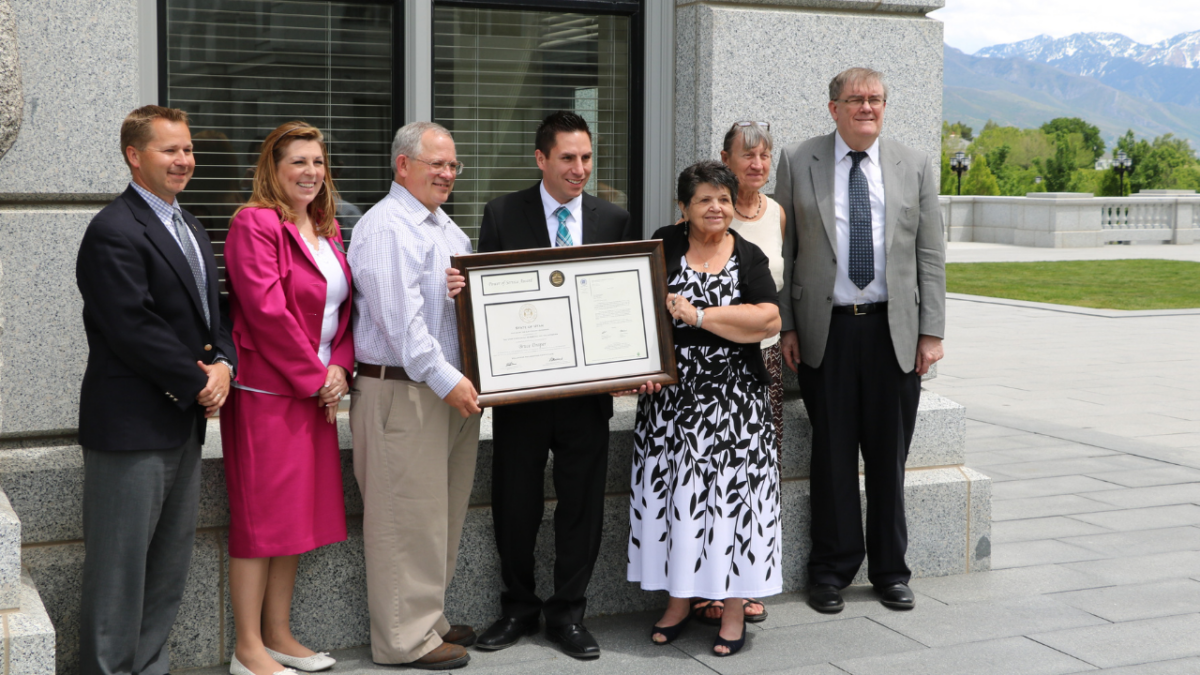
[{"x": 563, "y": 237}]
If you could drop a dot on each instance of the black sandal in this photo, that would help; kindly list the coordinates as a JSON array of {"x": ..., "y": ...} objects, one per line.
[
  {"x": 669, "y": 632},
  {"x": 754, "y": 618},
  {"x": 700, "y": 611},
  {"x": 734, "y": 646}
]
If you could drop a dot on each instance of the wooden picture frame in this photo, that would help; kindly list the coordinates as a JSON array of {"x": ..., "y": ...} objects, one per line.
[{"x": 560, "y": 322}]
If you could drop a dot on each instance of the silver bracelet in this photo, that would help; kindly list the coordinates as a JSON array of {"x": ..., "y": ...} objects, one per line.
[{"x": 699, "y": 317}]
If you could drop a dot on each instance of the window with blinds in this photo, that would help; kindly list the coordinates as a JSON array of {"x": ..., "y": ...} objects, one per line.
[
  {"x": 498, "y": 72},
  {"x": 240, "y": 68}
]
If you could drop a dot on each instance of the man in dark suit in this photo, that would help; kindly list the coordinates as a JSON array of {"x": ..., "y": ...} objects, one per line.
[
  {"x": 155, "y": 334},
  {"x": 864, "y": 311},
  {"x": 555, "y": 212}
]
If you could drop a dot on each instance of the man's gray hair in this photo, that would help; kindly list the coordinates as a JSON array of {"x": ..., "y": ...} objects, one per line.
[
  {"x": 408, "y": 139},
  {"x": 855, "y": 76}
]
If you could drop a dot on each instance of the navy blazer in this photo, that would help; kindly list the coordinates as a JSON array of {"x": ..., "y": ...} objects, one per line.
[
  {"x": 145, "y": 330},
  {"x": 518, "y": 221}
]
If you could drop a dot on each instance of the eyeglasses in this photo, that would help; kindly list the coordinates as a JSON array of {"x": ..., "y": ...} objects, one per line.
[
  {"x": 439, "y": 167},
  {"x": 747, "y": 123},
  {"x": 857, "y": 101}
]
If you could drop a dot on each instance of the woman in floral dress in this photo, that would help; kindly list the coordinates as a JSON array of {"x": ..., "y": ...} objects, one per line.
[{"x": 704, "y": 511}]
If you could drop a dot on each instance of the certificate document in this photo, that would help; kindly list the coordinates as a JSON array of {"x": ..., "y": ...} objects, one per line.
[
  {"x": 527, "y": 336},
  {"x": 612, "y": 323},
  {"x": 546, "y": 323}
]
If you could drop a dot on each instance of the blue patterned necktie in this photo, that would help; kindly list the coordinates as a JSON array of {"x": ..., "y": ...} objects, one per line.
[
  {"x": 563, "y": 238},
  {"x": 189, "y": 252},
  {"x": 862, "y": 250}
]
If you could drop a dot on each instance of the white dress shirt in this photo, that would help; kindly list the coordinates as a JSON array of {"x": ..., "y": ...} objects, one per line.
[
  {"x": 402, "y": 315},
  {"x": 844, "y": 290},
  {"x": 574, "y": 222}
]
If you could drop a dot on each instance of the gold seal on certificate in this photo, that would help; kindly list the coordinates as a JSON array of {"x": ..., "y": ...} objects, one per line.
[{"x": 599, "y": 325}]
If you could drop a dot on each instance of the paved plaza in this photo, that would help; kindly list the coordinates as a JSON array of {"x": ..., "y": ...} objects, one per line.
[{"x": 1088, "y": 422}]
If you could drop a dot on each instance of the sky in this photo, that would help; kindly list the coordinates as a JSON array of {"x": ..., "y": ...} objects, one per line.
[{"x": 971, "y": 25}]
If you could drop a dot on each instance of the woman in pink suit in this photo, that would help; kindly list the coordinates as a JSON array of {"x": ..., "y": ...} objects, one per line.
[{"x": 289, "y": 291}]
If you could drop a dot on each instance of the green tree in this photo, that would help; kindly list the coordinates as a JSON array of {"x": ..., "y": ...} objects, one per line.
[
  {"x": 958, "y": 129},
  {"x": 980, "y": 180},
  {"x": 1058, "y": 169},
  {"x": 1187, "y": 178},
  {"x": 1111, "y": 185},
  {"x": 1090, "y": 135},
  {"x": 1155, "y": 163}
]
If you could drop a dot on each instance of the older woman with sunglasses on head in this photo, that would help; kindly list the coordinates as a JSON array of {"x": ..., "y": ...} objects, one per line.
[{"x": 289, "y": 292}]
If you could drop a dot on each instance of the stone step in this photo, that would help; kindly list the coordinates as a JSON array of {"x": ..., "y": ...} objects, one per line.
[
  {"x": 949, "y": 533},
  {"x": 10, "y": 556},
  {"x": 44, "y": 483},
  {"x": 29, "y": 638}
]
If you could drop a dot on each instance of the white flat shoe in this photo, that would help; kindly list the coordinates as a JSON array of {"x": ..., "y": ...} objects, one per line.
[
  {"x": 318, "y": 661},
  {"x": 236, "y": 668}
]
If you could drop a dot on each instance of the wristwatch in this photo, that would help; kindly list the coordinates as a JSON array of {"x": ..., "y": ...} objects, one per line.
[
  {"x": 228, "y": 364},
  {"x": 699, "y": 317}
]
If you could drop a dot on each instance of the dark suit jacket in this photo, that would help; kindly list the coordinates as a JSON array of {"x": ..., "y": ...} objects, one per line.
[
  {"x": 518, "y": 221},
  {"x": 145, "y": 330}
]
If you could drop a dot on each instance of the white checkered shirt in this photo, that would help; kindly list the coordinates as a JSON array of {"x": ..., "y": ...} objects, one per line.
[
  {"x": 165, "y": 213},
  {"x": 402, "y": 317}
]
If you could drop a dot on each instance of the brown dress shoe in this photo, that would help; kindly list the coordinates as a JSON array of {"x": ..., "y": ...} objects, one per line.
[
  {"x": 444, "y": 657},
  {"x": 463, "y": 636}
]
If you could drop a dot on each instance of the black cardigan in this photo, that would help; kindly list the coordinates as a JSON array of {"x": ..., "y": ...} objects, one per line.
[{"x": 755, "y": 286}]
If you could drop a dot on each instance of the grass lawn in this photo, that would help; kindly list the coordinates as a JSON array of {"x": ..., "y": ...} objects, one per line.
[{"x": 1102, "y": 284}]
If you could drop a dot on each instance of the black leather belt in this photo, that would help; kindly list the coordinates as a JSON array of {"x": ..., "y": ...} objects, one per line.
[
  {"x": 858, "y": 310},
  {"x": 383, "y": 372}
]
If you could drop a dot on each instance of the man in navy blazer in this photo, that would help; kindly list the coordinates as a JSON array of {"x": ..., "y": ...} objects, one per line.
[
  {"x": 555, "y": 212},
  {"x": 160, "y": 360}
]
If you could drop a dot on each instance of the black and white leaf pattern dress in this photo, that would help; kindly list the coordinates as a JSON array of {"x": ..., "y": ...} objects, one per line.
[{"x": 704, "y": 510}]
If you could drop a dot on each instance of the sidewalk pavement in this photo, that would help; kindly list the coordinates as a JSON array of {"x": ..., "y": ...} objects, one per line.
[{"x": 1090, "y": 427}]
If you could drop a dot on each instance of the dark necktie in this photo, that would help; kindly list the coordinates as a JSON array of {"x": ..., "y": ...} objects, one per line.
[
  {"x": 189, "y": 252},
  {"x": 862, "y": 250}
]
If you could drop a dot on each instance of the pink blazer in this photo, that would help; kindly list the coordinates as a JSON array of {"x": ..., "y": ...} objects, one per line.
[{"x": 276, "y": 301}]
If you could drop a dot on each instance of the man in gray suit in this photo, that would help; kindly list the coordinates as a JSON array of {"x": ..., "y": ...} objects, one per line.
[{"x": 863, "y": 308}]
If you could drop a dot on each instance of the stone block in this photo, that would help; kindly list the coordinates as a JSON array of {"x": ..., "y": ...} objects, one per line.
[
  {"x": 852, "y": 5},
  {"x": 1129, "y": 643},
  {"x": 993, "y": 657},
  {"x": 713, "y": 41},
  {"x": 1142, "y": 601},
  {"x": 44, "y": 351},
  {"x": 12, "y": 98},
  {"x": 28, "y": 635},
  {"x": 979, "y": 529},
  {"x": 10, "y": 556},
  {"x": 57, "y": 573},
  {"x": 945, "y": 625},
  {"x": 74, "y": 98}
]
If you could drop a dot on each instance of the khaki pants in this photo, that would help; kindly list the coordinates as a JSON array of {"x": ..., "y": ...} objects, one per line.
[{"x": 414, "y": 459}]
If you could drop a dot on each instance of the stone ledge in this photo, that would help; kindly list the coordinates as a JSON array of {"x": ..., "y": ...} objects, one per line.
[
  {"x": 45, "y": 483},
  {"x": 29, "y": 638},
  {"x": 330, "y": 612},
  {"x": 10, "y": 556}
]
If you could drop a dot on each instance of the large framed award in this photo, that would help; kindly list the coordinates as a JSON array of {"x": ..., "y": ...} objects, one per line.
[{"x": 546, "y": 323}]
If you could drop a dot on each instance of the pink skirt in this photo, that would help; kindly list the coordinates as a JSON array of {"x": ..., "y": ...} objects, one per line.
[{"x": 283, "y": 471}]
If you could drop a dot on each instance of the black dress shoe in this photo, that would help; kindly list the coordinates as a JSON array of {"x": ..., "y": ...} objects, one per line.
[
  {"x": 896, "y": 596},
  {"x": 575, "y": 640},
  {"x": 825, "y": 598},
  {"x": 506, "y": 632}
]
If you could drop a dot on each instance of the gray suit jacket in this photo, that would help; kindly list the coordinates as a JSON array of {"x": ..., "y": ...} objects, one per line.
[{"x": 914, "y": 246}]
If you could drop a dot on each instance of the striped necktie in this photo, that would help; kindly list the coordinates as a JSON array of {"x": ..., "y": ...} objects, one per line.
[
  {"x": 189, "y": 252},
  {"x": 563, "y": 238},
  {"x": 862, "y": 248}
]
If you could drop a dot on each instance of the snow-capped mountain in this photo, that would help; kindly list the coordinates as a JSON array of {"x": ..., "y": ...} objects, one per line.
[{"x": 1097, "y": 53}]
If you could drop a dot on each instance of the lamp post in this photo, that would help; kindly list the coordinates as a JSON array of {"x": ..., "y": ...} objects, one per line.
[
  {"x": 959, "y": 164},
  {"x": 1122, "y": 165}
]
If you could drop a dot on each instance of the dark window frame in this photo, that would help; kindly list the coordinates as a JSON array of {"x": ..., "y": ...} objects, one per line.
[{"x": 636, "y": 11}]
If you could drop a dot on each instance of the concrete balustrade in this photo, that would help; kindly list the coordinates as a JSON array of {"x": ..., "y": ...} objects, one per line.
[{"x": 1073, "y": 220}]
